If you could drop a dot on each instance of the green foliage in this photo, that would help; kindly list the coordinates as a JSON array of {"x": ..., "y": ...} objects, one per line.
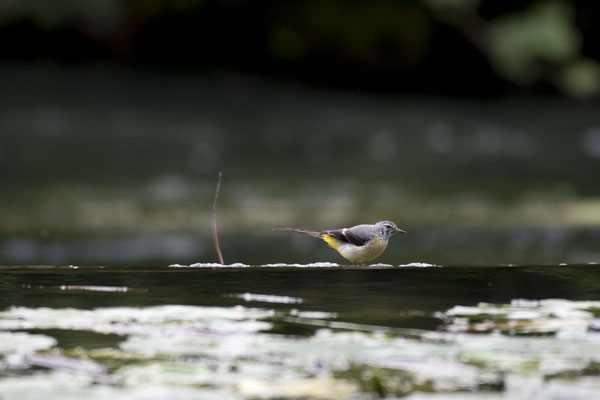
[
  {"x": 521, "y": 44},
  {"x": 102, "y": 14},
  {"x": 380, "y": 33},
  {"x": 581, "y": 78},
  {"x": 525, "y": 45}
]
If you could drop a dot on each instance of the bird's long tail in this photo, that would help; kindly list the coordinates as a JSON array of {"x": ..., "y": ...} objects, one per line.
[{"x": 303, "y": 231}]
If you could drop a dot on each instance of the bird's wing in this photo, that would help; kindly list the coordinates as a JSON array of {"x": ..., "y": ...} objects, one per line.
[{"x": 354, "y": 235}]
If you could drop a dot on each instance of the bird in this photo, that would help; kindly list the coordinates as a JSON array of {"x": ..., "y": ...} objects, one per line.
[{"x": 358, "y": 244}]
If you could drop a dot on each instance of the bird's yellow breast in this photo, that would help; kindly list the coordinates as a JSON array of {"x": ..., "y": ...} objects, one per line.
[{"x": 357, "y": 254}]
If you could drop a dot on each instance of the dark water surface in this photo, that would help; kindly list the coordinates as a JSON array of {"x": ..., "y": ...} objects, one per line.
[
  {"x": 323, "y": 332},
  {"x": 376, "y": 295}
]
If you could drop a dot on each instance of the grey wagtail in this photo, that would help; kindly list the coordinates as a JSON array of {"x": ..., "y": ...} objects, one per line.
[{"x": 358, "y": 244}]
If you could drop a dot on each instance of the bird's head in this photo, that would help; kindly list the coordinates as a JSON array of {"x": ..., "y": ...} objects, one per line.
[{"x": 388, "y": 228}]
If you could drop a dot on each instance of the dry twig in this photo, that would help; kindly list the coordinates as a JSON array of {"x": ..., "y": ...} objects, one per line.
[{"x": 214, "y": 220}]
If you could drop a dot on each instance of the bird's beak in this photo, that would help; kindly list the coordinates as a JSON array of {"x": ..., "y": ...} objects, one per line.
[{"x": 400, "y": 230}]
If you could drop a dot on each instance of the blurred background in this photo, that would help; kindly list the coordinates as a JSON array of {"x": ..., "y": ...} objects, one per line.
[{"x": 472, "y": 124}]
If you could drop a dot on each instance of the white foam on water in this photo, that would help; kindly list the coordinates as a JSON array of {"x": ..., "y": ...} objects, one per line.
[
  {"x": 92, "y": 288},
  {"x": 320, "y": 264},
  {"x": 266, "y": 298},
  {"x": 419, "y": 265},
  {"x": 210, "y": 265},
  {"x": 312, "y": 314}
]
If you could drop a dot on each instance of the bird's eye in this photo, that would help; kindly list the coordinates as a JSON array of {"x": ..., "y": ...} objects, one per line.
[{"x": 388, "y": 226}]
